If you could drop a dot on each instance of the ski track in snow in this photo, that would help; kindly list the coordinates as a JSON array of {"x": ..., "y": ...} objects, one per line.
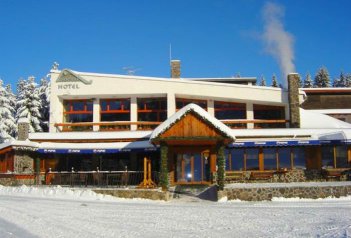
[{"x": 33, "y": 214}]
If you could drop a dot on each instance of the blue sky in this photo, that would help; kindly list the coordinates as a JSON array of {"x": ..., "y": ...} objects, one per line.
[{"x": 217, "y": 38}]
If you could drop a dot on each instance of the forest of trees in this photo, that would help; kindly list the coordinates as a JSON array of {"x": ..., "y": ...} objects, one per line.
[
  {"x": 321, "y": 80},
  {"x": 31, "y": 101}
]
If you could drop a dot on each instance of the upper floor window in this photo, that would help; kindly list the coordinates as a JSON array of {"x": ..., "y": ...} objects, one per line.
[
  {"x": 78, "y": 110},
  {"x": 182, "y": 102},
  {"x": 272, "y": 114},
  {"x": 229, "y": 110},
  {"x": 152, "y": 109},
  {"x": 115, "y": 109}
]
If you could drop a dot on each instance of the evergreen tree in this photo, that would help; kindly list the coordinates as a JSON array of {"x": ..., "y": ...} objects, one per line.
[
  {"x": 12, "y": 107},
  {"x": 7, "y": 122},
  {"x": 321, "y": 80},
  {"x": 308, "y": 81},
  {"x": 44, "y": 95},
  {"x": 274, "y": 81},
  {"x": 263, "y": 81},
  {"x": 29, "y": 103},
  {"x": 348, "y": 80}
]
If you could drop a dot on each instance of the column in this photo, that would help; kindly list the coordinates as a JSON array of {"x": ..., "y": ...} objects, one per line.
[
  {"x": 37, "y": 170},
  {"x": 133, "y": 112},
  {"x": 171, "y": 104},
  {"x": 249, "y": 114},
  {"x": 210, "y": 107},
  {"x": 164, "y": 167},
  {"x": 96, "y": 113},
  {"x": 221, "y": 167}
]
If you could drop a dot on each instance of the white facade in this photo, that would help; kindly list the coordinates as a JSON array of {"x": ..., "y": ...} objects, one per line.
[{"x": 70, "y": 85}]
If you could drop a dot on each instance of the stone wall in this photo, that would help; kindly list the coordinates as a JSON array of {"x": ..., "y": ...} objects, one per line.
[
  {"x": 23, "y": 162},
  {"x": 295, "y": 175},
  {"x": 261, "y": 193},
  {"x": 294, "y": 104},
  {"x": 153, "y": 194},
  {"x": 13, "y": 181}
]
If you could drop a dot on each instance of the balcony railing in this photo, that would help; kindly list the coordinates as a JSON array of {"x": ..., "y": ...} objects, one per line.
[
  {"x": 106, "y": 126},
  {"x": 127, "y": 125}
]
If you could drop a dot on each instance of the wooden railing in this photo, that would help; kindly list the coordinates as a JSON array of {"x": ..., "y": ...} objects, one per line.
[
  {"x": 258, "y": 123},
  {"x": 106, "y": 126},
  {"x": 98, "y": 178},
  {"x": 141, "y": 125}
]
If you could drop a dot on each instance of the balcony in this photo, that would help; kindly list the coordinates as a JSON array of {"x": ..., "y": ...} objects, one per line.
[{"x": 145, "y": 126}]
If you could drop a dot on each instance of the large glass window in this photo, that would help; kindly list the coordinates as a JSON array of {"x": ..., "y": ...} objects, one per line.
[
  {"x": 299, "y": 158},
  {"x": 341, "y": 157},
  {"x": 182, "y": 102},
  {"x": 284, "y": 157},
  {"x": 78, "y": 111},
  {"x": 152, "y": 109},
  {"x": 266, "y": 112},
  {"x": 235, "y": 159},
  {"x": 252, "y": 161},
  {"x": 270, "y": 158},
  {"x": 229, "y": 110},
  {"x": 327, "y": 157},
  {"x": 115, "y": 109}
]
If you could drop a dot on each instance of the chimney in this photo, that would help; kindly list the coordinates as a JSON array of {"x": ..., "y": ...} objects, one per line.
[
  {"x": 294, "y": 105},
  {"x": 23, "y": 129},
  {"x": 175, "y": 69}
]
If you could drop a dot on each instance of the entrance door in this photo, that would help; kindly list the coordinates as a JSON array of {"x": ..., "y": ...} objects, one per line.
[{"x": 192, "y": 167}]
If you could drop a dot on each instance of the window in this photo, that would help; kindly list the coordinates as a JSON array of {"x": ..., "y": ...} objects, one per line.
[
  {"x": 335, "y": 157},
  {"x": 284, "y": 157},
  {"x": 270, "y": 159},
  {"x": 152, "y": 109},
  {"x": 327, "y": 157},
  {"x": 182, "y": 102},
  {"x": 115, "y": 109},
  {"x": 229, "y": 110},
  {"x": 299, "y": 158},
  {"x": 252, "y": 162},
  {"x": 341, "y": 157},
  {"x": 78, "y": 111},
  {"x": 235, "y": 159},
  {"x": 265, "y": 112}
]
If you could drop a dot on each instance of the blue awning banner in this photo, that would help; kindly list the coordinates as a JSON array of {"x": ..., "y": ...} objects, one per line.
[
  {"x": 94, "y": 151},
  {"x": 274, "y": 143}
]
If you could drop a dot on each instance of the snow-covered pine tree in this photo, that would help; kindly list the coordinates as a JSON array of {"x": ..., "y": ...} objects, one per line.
[
  {"x": 321, "y": 80},
  {"x": 44, "y": 95},
  {"x": 263, "y": 81},
  {"x": 7, "y": 122},
  {"x": 28, "y": 103},
  {"x": 336, "y": 83},
  {"x": 12, "y": 107},
  {"x": 308, "y": 81},
  {"x": 274, "y": 81},
  {"x": 348, "y": 80}
]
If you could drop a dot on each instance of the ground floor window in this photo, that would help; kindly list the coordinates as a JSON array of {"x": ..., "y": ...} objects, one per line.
[
  {"x": 265, "y": 158},
  {"x": 335, "y": 157}
]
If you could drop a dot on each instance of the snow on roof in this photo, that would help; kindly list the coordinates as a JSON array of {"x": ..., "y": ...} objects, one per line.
[
  {"x": 90, "y": 135},
  {"x": 332, "y": 111},
  {"x": 18, "y": 143},
  {"x": 312, "y": 120},
  {"x": 199, "y": 111}
]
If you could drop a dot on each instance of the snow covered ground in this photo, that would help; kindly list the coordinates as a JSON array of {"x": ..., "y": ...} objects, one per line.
[{"x": 62, "y": 212}]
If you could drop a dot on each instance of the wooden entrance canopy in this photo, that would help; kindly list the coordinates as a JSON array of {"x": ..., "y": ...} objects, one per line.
[
  {"x": 192, "y": 125},
  {"x": 191, "y": 128}
]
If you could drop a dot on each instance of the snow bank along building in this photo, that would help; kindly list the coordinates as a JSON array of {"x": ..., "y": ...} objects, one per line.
[{"x": 108, "y": 129}]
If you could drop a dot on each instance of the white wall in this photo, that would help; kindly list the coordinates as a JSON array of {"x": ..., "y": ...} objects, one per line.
[{"x": 120, "y": 86}]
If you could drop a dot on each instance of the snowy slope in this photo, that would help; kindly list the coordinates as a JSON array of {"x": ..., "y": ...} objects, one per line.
[{"x": 30, "y": 212}]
